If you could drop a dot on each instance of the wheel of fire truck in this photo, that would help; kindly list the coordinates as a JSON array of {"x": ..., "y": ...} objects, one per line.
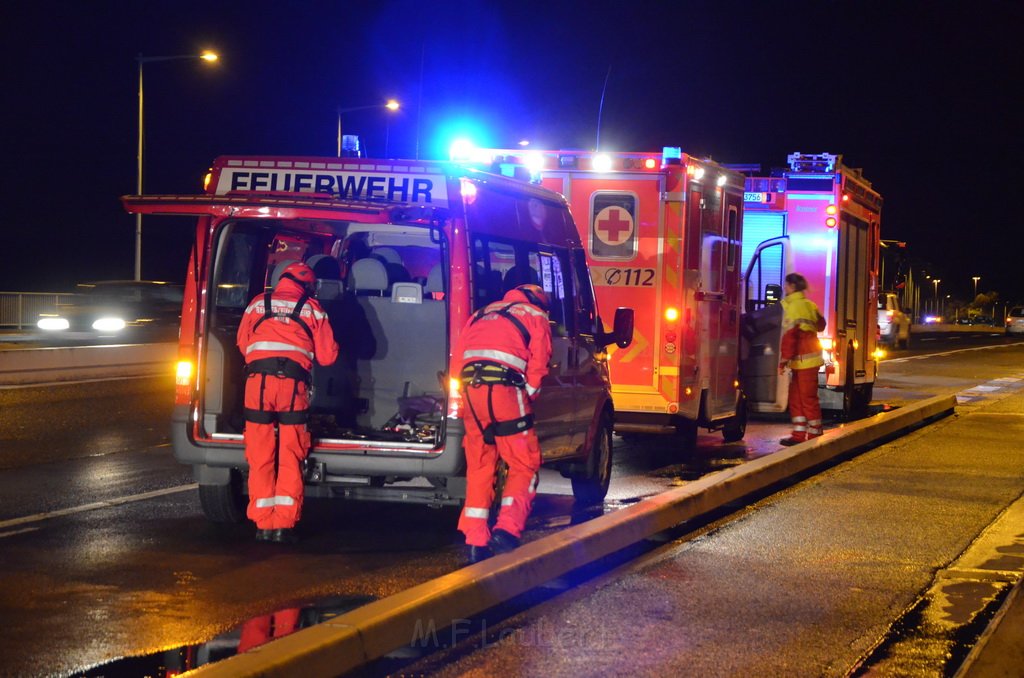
[
  {"x": 591, "y": 486},
  {"x": 736, "y": 427},
  {"x": 225, "y": 503}
]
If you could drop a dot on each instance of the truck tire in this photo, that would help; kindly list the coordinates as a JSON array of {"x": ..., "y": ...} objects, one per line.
[
  {"x": 224, "y": 504},
  {"x": 591, "y": 487},
  {"x": 736, "y": 427}
]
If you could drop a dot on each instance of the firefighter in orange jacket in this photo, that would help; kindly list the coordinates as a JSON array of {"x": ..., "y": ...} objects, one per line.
[
  {"x": 504, "y": 352},
  {"x": 280, "y": 335},
  {"x": 801, "y": 353}
]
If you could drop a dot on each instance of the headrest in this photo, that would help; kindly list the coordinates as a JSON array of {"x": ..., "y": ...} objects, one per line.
[
  {"x": 368, "y": 274},
  {"x": 327, "y": 289},
  {"x": 435, "y": 281},
  {"x": 406, "y": 293},
  {"x": 388, "y": 254},
  {"x": 275, "y": 277},
  {"x": 324, "y": 266}
]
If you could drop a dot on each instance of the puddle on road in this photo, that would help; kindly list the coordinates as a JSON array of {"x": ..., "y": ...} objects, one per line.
[{"x": 251, "y": 634}]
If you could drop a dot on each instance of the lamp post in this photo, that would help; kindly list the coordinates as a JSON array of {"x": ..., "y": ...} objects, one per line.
[
  {"x": 975, "y": 278},
  {"x": 391, "y": 105},
  {"x": 143, "y": 60},
  {"x": 936, "y": 281}
]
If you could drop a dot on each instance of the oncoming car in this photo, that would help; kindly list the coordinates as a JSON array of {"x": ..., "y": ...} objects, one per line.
[
  {"x": 893, "y": 323},
  {"x": 123, "y": 310},
  {"x": 1015, "y": 320}
]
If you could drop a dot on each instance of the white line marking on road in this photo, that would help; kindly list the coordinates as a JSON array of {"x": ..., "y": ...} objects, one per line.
[
  {"x": 48, "y": 384},
  {"x": 95, "y": 505},
  {"x": 4, "y": 535},
  {"x": 944, "y": 353}
]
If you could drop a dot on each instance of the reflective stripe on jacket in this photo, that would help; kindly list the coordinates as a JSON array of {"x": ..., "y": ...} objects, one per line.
[
  {"x": 495, "y": 338},
  {"x": 277, "y": 338},
  {"x": 801, "y": 323}
]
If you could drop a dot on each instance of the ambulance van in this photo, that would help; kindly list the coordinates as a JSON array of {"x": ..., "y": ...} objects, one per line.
[{"x": 404, "y": 253}]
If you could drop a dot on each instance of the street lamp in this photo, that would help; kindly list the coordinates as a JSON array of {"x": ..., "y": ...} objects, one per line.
[
  {"x": 936, "y": 281},
  {"x": 391, "y": 105},
  {"x": 975, "y": 278},
  {"x": 207, "y": 56}
]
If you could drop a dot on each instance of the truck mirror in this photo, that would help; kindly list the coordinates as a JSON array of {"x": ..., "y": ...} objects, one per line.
[
  {"x": 772, "y": 293},
  {"x": 622, "y": 331}
]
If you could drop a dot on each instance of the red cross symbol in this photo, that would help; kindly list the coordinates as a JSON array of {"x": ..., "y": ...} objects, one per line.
[{"x": 611, "y": 227}]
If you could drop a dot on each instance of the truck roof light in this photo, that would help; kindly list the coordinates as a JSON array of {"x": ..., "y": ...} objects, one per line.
[
  {"x": 650, "y": 163},
  {"x": 534, "y": 162},
  {"x": 672, "y": 155},
  {"x": 698, "y": 173},
  {"x": 720, "y": 181},
  {"x": 602, "y": 163},
  {"x": 206, "y": 181}
]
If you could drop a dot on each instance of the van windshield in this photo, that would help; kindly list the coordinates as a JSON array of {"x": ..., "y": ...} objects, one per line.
[{"x": 383, "y": 288}]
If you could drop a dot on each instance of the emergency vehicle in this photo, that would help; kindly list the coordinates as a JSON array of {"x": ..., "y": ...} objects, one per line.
[
  {"x": 404, "y": 252},
  {"x": 821, "y": 219},
  {"x": 662, "y": 234}
]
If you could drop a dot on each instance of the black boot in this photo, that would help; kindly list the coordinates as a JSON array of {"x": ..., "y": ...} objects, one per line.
[
  {"x": 284, "y": 535},
  {"x": 264, "y": 535},
  {"x": 474, "y": 554},
  {"x": 503, "y": 542}
]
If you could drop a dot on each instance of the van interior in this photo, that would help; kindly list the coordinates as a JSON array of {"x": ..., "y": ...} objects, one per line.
[{"x": 383, "y": 288}]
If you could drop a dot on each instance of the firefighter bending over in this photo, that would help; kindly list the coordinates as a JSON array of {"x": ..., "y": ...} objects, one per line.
[
  {"x": 801, "y": 352},
  {"x": 504, "y": 349},
  {"x": 281, "y": 333}
]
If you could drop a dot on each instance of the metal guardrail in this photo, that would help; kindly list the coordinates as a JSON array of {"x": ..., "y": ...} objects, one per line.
[{"x": 20, "y": 310}]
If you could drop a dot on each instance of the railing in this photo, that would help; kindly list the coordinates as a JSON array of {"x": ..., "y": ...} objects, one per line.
[{"x": 20, "y": 310}]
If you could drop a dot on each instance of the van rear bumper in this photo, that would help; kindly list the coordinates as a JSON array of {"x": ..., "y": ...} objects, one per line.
[{"x": 207, "y": 458}]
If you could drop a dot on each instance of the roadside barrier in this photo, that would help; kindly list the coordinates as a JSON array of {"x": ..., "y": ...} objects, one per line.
[
  {"x": 351, "y": 640},
  {"x": 21, "y": 366}
]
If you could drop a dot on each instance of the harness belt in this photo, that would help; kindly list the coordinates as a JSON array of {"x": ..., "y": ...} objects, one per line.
[
  {"x": 278, "y": 367},
  {"x": 480, "y": 372},
  {"x": 485, "y": 373}
]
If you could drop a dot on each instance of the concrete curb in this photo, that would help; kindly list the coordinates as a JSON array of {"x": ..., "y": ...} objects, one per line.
[
  {"x": 22, "y": 366},
  {"x": 998, "y": 652},
  {"x": 370, "y": 632}
]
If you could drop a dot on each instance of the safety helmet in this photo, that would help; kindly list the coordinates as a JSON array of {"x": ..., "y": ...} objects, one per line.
[
  {"x": 535, "y": 295},
  {"x": 300, "y": 273}
]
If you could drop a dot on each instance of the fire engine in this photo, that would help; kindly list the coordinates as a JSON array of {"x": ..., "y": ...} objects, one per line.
[
  {"x": 821, "y": 219},
  {"x": 662, "y": 234}
]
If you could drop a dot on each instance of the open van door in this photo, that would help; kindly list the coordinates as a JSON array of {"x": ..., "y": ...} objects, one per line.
[{"x": 761, "y": 326}]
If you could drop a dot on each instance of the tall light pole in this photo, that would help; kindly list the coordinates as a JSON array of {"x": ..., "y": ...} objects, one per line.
[
  {"x": 936, "y": 281},
  {"x": 391, "y": 105},
  {"x": 205, "y": 56},
  {"x": 975, "y": 278}
]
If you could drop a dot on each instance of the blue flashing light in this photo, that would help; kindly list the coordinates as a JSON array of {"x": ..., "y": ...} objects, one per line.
[
  {"x": 671, "y": 153},
  {"x": 461, "y": 150}
]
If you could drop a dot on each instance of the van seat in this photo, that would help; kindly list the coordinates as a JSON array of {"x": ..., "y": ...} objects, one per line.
[
  {"x": 435, "y": 280},
  {"x": 368, "y": 277}
]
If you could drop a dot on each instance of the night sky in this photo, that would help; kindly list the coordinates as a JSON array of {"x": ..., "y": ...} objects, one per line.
[{"x": 923, "y": 96}]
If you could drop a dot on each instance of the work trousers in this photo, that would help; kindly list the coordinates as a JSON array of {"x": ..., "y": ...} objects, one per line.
[
  {"x": 275, "y": 451},
  {"x": 520, "y": 451},
  {"x": 804, "y": 408}
]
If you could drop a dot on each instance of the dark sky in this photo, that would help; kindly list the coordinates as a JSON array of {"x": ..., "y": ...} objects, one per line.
[{"x": 923, "y": 96}]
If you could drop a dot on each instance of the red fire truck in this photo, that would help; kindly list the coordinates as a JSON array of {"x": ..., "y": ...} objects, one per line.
[
  {"x": 662, "y": 234},
  {"x": 818, "y": 218}
]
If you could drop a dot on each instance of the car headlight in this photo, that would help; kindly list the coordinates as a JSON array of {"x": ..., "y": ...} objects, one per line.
[
  {"x": 108, "y": 325},
  {"x": 51, "y": 323}
]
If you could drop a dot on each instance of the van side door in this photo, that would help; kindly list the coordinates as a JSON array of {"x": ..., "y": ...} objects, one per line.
[{"x": 761, "y": 327}]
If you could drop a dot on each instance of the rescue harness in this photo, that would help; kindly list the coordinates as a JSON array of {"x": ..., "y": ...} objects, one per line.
[
  {"x": 280, "y": 366},
  {"x": 490, "y": 374}
]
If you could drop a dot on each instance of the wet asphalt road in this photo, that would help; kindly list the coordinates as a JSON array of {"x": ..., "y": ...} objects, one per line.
[{"x": 152, "y": 575}]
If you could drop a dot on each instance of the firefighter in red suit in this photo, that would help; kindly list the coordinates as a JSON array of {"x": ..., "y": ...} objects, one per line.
[
  {"x": 281, "y": 334},
  {"x": 801, "y": 353},
  {"x": 504, "y": 352}
]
